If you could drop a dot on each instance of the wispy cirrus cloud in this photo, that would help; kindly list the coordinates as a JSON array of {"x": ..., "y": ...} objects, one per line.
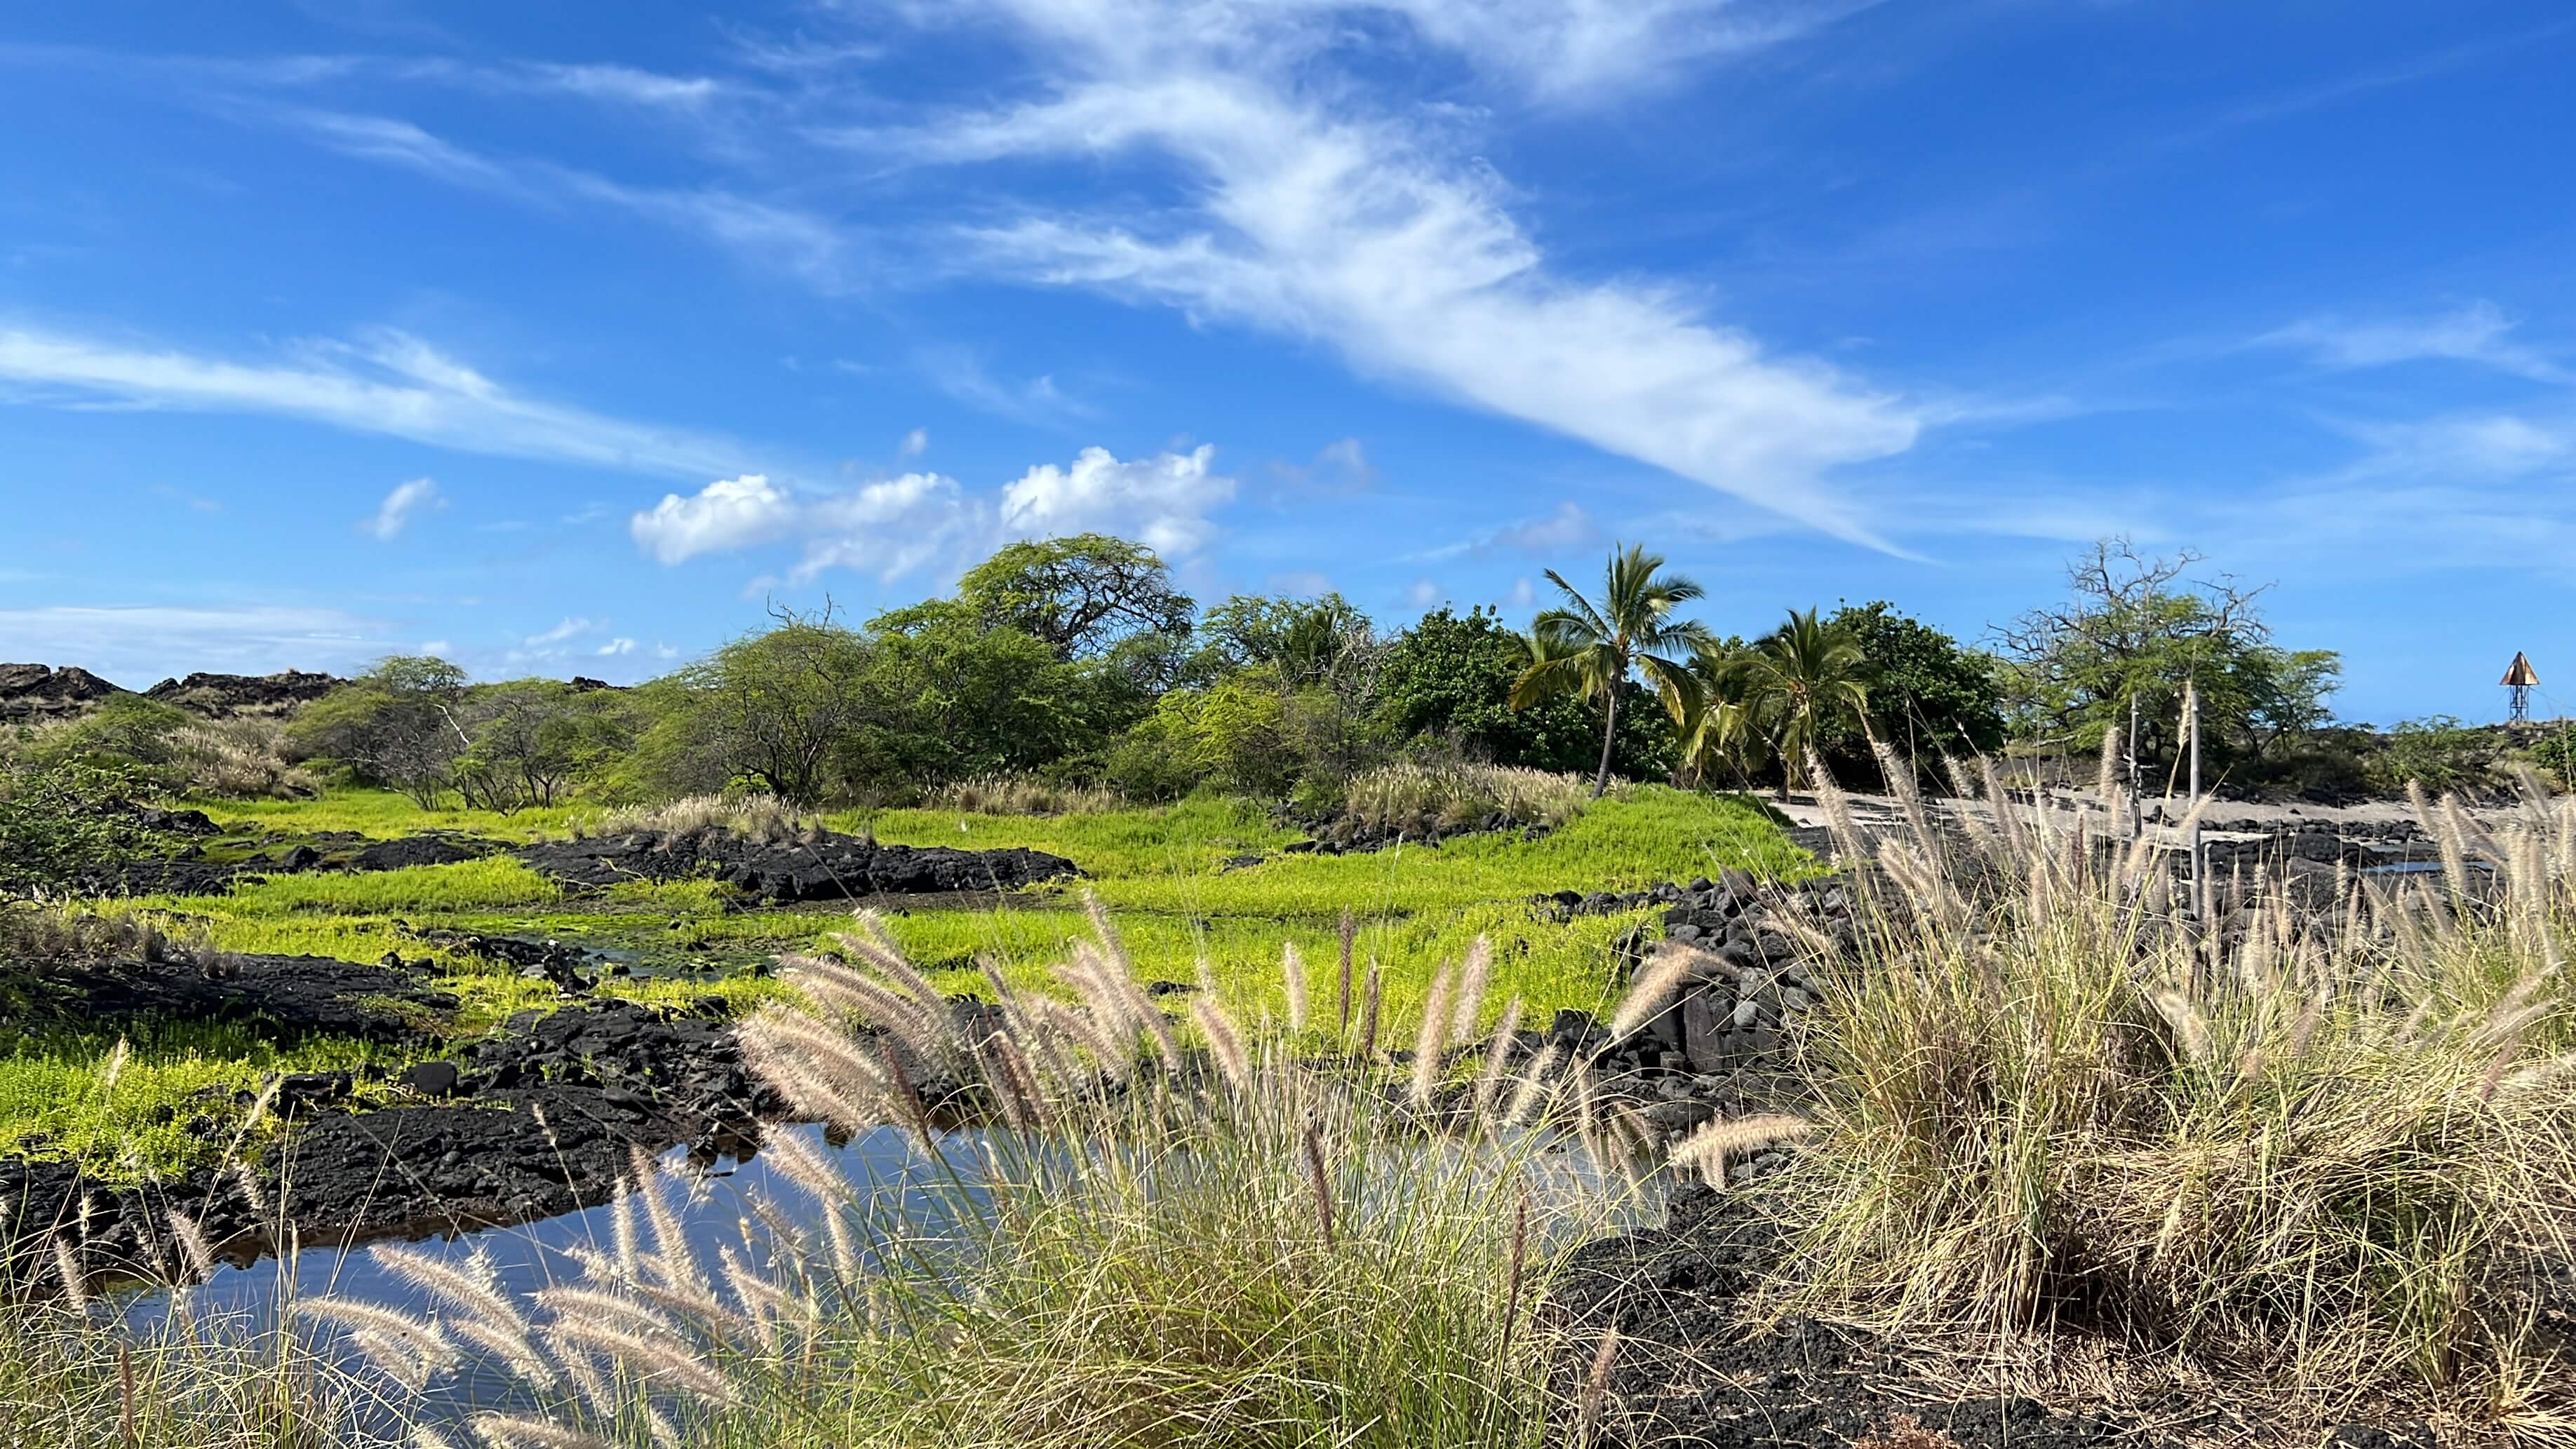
[
  {"x": 2478, "y": 333},
  {"x": 137, "y": 644},
  {"x": 1380, "y": 236},
  {"x": 384, "y": 382},
  {"x": 406, "y": 502}
]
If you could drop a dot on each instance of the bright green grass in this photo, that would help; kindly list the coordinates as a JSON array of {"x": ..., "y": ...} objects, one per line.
[
  {"x": 494, "y": 882},
  {"x": 1160, "y": 871},
  {"x": 57, "y": 1102},
  {"x": 1548, "y": 965},
  {"x": 1189, "y": 838},
  {"x": 387, "y": 815}
]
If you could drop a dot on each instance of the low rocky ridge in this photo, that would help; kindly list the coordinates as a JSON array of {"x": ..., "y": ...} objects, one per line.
[
  {"x": 33, "y": 692},
  {"x": 226, "y": 696},
  {"x": 824, "y": 866},
  {"x": 193, "y": 869}
]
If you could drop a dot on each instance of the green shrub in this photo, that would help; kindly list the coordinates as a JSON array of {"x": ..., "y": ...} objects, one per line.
[
  {"x": 59, "y": 821},
  {"x": 2439, "y": 753}
]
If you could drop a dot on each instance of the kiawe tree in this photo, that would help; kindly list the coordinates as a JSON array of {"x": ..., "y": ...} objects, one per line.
[
  {"x": 2136, "y": 628},
  {"x": 1588, "y": 649},
  {"x": 1081, "y": 596}
]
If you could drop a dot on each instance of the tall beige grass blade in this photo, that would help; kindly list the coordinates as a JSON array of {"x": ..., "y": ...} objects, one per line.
[{"x": 1432, "y": 1037}]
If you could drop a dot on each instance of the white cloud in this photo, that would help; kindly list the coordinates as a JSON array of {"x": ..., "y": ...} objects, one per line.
[
  {"x": 1380, "y": 236},
  {"x": 401, "y": 506},
  {"x": 437, "y": 646},
  {"x": 960, "y": 374},
  {"x": 386, "y": 382},
  {"x": 892, "y": 527},
  {"x": 615, "y": 647},
  {"x": 767, "y": 233},
  {"x": 2493, "y": 445},
  {"x": 726, "y": 514},
  {"x": 136, "y": 645},
  {"x": 1567, "y": 528},
  {"x": 1163, "y": 500},
  {"x": 914, "y": 444},
  {"x": 568, "y": 629},
  {"x": 1423, "y": 594},
  {"x": 1524, "y": 595},
  {"x": 2478, "y": 333},
  {"x": 895, "y": 526}
]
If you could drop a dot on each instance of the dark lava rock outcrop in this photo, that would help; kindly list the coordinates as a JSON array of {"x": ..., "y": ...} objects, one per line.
[
  {"x": 190, "y": 874},
  {"x": 37, "y": 691},
  {"x": 291, "y": 996},
  {"x": 543, "y": 1118},
  {"x": 224, "y": 696},
  {"x": 826, "y": 866}
]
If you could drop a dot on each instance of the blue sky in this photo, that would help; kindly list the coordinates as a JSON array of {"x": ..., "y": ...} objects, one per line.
[{"x": 556, "y": 338}]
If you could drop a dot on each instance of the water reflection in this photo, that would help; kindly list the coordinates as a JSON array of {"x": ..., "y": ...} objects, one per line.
[{"x": 885, "y": 1163}]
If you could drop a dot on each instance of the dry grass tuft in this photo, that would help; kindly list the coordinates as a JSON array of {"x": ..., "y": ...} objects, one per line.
[
  {"x": 762, "y": 818},
  {"x": 43, "y": 932},
  {"x": 1458, "y": 796},
  {"x": 1023, "y": 795},
  {"x": 2332, "y": 1144}
]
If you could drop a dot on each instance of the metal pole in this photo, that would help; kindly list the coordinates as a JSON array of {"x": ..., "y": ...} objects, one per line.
[
  {"x": 2137, "y": 821},
  {"x": 2199, "y": 856}
]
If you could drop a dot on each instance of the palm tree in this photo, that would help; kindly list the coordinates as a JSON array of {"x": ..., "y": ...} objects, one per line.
[
  {"x": 1796, "y": 682},
  {"x": 1718, "y": 729},
  {"x": 1587, "y": 649}
]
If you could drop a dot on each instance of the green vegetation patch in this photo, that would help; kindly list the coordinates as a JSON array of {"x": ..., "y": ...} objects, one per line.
[{"x": 164, "y": 1104}]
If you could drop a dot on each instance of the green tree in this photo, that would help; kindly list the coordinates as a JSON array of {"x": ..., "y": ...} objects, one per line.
[
  {"x": 1326, "y": 641},
  {"x": 1449, "y": 678},
  {"x": 396, "y": 725},
  {"x": 1081, "y": 596},
  {"x": 2135, "y": 629},
  {"x": 533, "y": 739},
  {"x": 947, "y": 696},
  {"x": 1930, "y": 697},
  {"x": 1718, "y": 731},
  {"x": 1587, "y": 650},
  {"x": 775, "y": 706},
  {"x": 1798, "y": 682}
]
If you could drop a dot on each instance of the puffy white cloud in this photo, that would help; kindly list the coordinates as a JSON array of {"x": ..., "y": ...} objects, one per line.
[
  {"x": 406, "y": 502},
  {"x": 896, "y": 526},
  {"x": 914, "y": 443},
  {"x": 726, "y": 514},
  {"x": 892, "y": 527},
  {"x": 615, "y": 647},
  {"x": 1163, "y": 500}
]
